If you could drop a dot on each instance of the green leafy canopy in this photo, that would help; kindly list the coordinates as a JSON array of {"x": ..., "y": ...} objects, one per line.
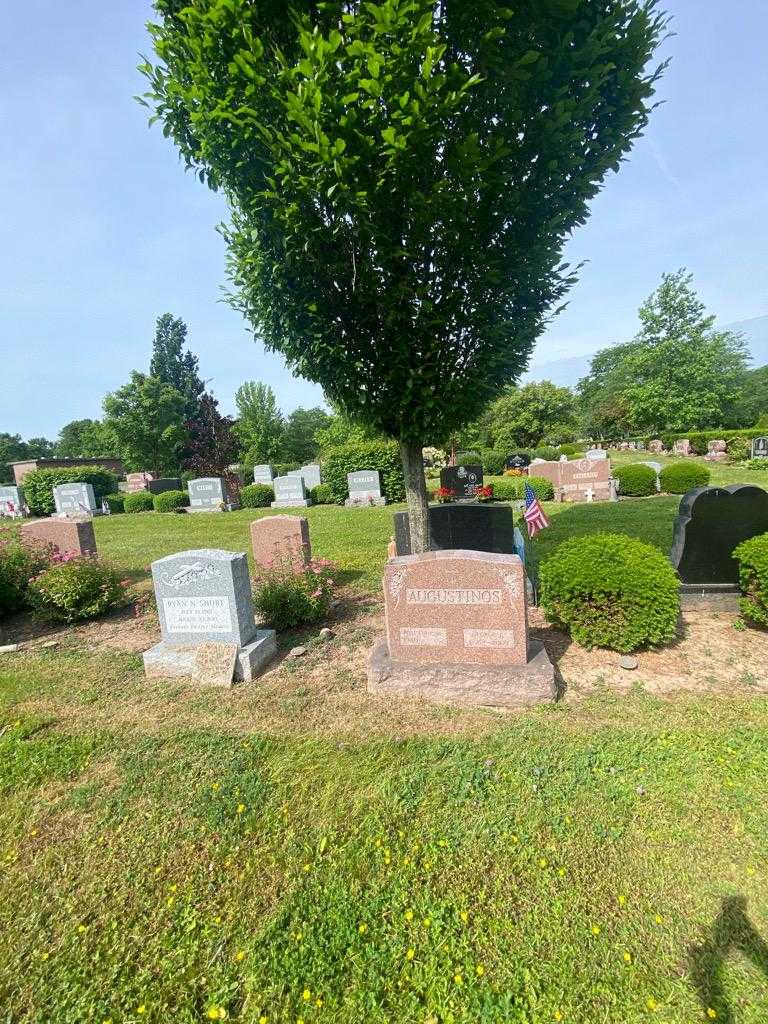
[{"x": 402, "y": 176}]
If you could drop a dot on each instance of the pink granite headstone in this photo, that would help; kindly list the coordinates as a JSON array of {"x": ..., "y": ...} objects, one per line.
[
  {"x": 68, "y": 535},
  {"x": 278, "y": 539},
  {"x": 138, "y": 481},
  {"x": 657, "y": 446},
  {"x": 578, "y": 481},
  {"x": 682, "y": 447},
  {"x": 717, "y": 446}
]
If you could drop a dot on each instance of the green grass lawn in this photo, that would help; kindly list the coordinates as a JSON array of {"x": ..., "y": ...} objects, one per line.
[{"x": 297, "y": 851}]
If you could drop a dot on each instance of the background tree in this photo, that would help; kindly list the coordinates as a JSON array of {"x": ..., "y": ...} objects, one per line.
[
  {"x": 603, "y": 410},
  {"x": 12, "y": 449},
  {"x": 211, "y": 446},
  {"x": 402, "y": 176},
  {"x": 146, "y": 417},
  {"x": 753, "y": 400},
  {"x": 85, "y": 439},
  {"x": 301, "y": 429},
  {"x": 172, "y": 365},
  {"x": 259, "y": 426},
  {"x": 524, "y": 417},
  {"x": 339, "y": 429}
]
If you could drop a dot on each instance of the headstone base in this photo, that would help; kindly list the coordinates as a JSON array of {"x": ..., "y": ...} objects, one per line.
[
  {"x": 216, "y": 509},
  {"x": 364, "y": 502},
  {"x": 291, "y": 503},
  {"x": 169, "y": 660},
  {"x": 504, "y": 686},
  {"x": 723, "y": 596}
]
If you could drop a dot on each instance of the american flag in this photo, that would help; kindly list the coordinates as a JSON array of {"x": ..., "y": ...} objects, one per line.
[{"x": 533, "y": 513}]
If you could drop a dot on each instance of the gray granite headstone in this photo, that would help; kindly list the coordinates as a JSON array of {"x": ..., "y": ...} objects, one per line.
[
  {"x": 310, "y": 474},
  {"x": 204, "y": 596},
  {"x": 760, "y": 448},
  {"x": 263, "y": 475},
  {"x": 206, "y": 493},
  {"x": 364, "y": 488},
  {"x": 290, "y": 492},
  {"x": 597, "y": 454},
  {"x": 74, "y": 499},
  {"x": 11, "y": 501}
]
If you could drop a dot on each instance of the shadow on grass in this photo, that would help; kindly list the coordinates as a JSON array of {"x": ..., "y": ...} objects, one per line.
[{"x": 731, "y": 931}]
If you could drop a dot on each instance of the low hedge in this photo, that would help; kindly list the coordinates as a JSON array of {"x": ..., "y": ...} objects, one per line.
[
  {"x": 256, "y": 496},
  {"x": 321, "y": 495},
  {"x": 610, "y": 590},
  {"x": 139, "y": 501},
  {"x": 512, "y": 488},
  {"x": 115, "y": 503},
  {"x": 635, "y": 480},
  {"x": 752, "y": 556},
  {"x": 171, "y": 501},
  {"x": 350, "y": 458},
  {"x": 39, "y": 484},
  {"x": 679, "y": 477},
  {"x": 283, "y": 468}
]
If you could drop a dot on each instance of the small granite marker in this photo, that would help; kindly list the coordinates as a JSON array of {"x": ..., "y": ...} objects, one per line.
[
  {"x": 597, "y": 454},
  {"x": 760, "y": 448},
  {"x": 682, "y": 447},
  {"x": 364, "y": 489},
  {"x": 11, "y": 501},
  {"x": 74, "y": 500},
  {"x": 457, "y": 632},
  {"x": 290, "y": 492},
  {"x": 137, "y": 481},
  {"x": 464, "y": 480},
  {"x": 74, "y": 536},
  {"x": 208, "y": 494},
  {"x": 275, "y": 539},
  {"x": 204, "y": 597},
  {"x": 263, "y": 475}
]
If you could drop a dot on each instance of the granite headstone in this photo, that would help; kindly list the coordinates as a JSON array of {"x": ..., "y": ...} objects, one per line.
[
  {"x": 207, "y": 494},
  {"x": 463, "y": 480},
  {"x": 310, "y": 474},
  {"x": 364, "y": 489},
  {"x": 290, "y": 492},
  {"x": 760, "y": 448},
  {"x": 263, "y": 474},
  {"x": 11, "y": 501},
  {"x": 74, "y": 499},
  {"x": 472, "y": 527},
  {"x": 164, "y": 483}
]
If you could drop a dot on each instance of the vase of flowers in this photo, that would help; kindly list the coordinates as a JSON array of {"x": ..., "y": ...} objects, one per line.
[
  {"x": 445, "y": 495},
  {"x": 484, "y": 494}
]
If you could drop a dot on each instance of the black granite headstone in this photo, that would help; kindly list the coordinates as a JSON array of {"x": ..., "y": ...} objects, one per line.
[
  {"x": 760, "y": 448},
  {"x": 466, "y": 527},
  {"x": 711, "y": 522},
  {"x": 517, "y": 461},
  {"x": 166, "y": 483},
  {"x": 464, "y": 480}
]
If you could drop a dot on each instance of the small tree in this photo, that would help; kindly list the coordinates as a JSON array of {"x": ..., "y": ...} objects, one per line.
[
  {"x": 172, "y": 365},
  {"x": 300, "y": 443},
  {"x": 402, "y": 176},
  {"x": 260, "y": 424},
  {"x": 211, "y": 445},
  {"x": 147, "y": 420}
]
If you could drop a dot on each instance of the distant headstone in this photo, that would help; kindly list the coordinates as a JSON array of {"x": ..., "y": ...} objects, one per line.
[
  {"x": 760, "y": 448},
  {"x": 74, "y": 499},
  {"x": 682, "y": 447},
  {"x": 278, "y": 539},
  {"x": 583, "y": 480},
  {"x": 717, "y": 446},
  {"x": 263, "y": 475},
  {"x": 164, "y": 483},
  {"x": 711, "y": 522},
  {"x": 656, "y": 467},
  {"x": 12, "y": 503},
  {"x": 457, "y": 632},
  {"x": 464, "y": 480},
  {"x": 656, "y": 446},
  {"x": 137, "y": 481},
  {"x": 310, "y": 474},
  {"x": 364, "y": 489},
  {"x": 207, "y": 494},
  {"x": 597, "y": 454},
  {"x": 290, "y": 492},
  {"x": 204, "y": 597},
  {"x": 517, "y": 461},
  {"x": 468, "y": 527},
  {"x": 73, "y": 536}
]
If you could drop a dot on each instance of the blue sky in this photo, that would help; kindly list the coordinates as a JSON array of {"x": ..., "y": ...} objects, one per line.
[{"x": 102, "y": 230}]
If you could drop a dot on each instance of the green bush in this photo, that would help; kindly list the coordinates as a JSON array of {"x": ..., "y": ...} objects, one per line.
[
  {"x": 76, "y": 589},
  {"x": 115, "y": 503},
  {"x": 546, "y": 452},
  {"x": 635, "y": 480},
  {"x": 321, "y": 495},
  {"x": 283, "y": 468},
  {"x": 284, "y": 598},
  {"x": 679, "y": 477},
  {"x": 609, "y": 590},
  {"x": 20, "y": 562},
  {"x": 739, "y": 448},
  {"x": 699, "y": 443},
  {"x": 139, "y": 501},
  {"x": 569, "y": 449},
  {"x": 512, "y": 488},
  {"x": 349, "y": 458},
  {"x": 492, "y": 461},
  {"x": 575, "y": 456},
  {"x": 170, "y": 501},
  {"x": 256, "y": 496},
  {"x": 39, "y": 484},
  {"x": 758, "y": 465},
  {"x": 752, "y": 557}
]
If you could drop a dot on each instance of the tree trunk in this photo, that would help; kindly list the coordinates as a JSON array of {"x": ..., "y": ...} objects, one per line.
[{"x": 416, "y": 496}]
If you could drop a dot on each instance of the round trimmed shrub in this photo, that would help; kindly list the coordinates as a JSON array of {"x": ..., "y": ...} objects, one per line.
[
  {"x": 138, "y": 501},
  {"x": 256, "y": 496},
  {"x": 170, "y": 501},
  {"x": 636, "y": 480},
  {"x": 321, "y": 495},
  {"x": 492, "y": 461},
  {"x": 679, "y": 477},
  {"x": 610, "y": 590},
  {"x": 512, "y": 488},
  {"x": 115, "y": 503},
  {"x": 752, "y": 556},
  {"x": 546, "y": 452},
  {"x": 75, "y": 590}
]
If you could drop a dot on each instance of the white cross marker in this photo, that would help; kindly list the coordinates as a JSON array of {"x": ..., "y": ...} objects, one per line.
[{"x": 590, "y": 494}]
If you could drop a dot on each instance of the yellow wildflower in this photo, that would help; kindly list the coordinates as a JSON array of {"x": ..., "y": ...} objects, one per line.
[
  {"x": 240, "y": 808},
  {"x": 659, "y": 919},
  {"x": 627, "y": 958},
  {"x": 427, "y": 922},
  {"x": 595, "y": 929},
  {"x": 458, "y": 979},
  {"x": 464, "y": 916},
  {"x": 362, "y": 928},
  {"x": 410, "y": 954},
  {"x": 542, "y": 862},
  {"x": 240, "y": 955},
  {"x": 141, "y": 1009},
  {"x": 479, "y": 970},
  {"x": 306, "y": 995},
  {"x": 651, "y": 1003},
  {"x": 558, "y": 1015},
  {"x": 409, "y": 915},
  {"x": 711, "y": 1013}
]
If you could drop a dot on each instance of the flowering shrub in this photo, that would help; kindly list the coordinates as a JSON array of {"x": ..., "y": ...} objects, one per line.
[
  {"x": 514, "y": 472},
  {"x": 19, "y": 561},
  {"x": 484, "y": 493},
  {"x": 286, "y": 596},
  {"x": 444, "y": 495},
  {"x": 79, "y": 587}
]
